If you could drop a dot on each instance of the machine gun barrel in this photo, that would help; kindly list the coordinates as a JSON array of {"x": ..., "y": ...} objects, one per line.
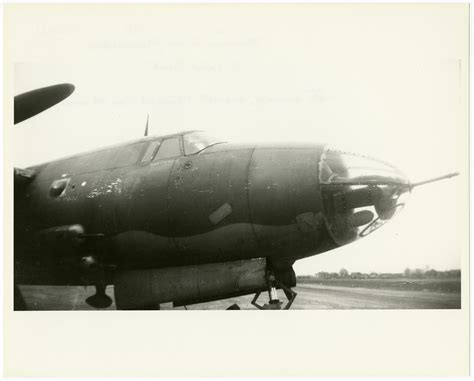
[{"x": 434, "y": 179}]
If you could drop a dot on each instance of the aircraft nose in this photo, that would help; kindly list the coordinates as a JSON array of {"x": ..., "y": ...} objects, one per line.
[{"x": 359, "y": 194}]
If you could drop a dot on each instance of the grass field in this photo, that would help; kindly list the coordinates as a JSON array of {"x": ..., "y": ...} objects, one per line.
[
  {"x": 443, "y": 285},
  {"x": 313, "y": 294}
]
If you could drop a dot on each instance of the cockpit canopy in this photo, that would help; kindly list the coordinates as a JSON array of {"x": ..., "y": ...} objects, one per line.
[
  {"x": 197, "y": 141},
  {"x": 359, "y": 194}
]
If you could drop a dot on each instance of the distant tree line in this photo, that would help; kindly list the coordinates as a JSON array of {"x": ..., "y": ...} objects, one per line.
[{"x": 408, "y": 273}]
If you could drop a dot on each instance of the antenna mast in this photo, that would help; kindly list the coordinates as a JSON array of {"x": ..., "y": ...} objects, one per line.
[{"x": 146, "y": 127}]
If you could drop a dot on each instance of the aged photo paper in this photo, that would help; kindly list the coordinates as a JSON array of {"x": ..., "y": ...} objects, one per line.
[{"x": 389, "y": 81}]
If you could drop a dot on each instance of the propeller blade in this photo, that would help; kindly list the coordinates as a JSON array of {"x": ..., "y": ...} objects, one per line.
[{"x": 33, "y": 102}]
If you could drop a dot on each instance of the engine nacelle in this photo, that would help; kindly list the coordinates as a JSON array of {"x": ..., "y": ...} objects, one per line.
[{"x": 144, "y": 289}]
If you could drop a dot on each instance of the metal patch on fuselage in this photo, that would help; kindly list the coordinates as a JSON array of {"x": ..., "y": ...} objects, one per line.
[
  {"x": 220, "y": 213},
  {"x": 307, "y": 222}
]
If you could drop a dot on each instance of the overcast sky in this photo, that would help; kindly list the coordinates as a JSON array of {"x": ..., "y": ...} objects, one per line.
[{"x": 387, "y": 82}]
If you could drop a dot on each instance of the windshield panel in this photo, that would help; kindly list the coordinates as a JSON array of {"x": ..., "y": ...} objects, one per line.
[
  {"x": 169, "y": 148},
  {"x": 195, "y": 142}
]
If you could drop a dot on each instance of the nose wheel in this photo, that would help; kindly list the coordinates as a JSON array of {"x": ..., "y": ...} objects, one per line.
[{"x": 274, "y": 303}]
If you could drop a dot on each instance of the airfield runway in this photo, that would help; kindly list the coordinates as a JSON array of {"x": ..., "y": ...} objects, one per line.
[{"x": 311, "y": 296}]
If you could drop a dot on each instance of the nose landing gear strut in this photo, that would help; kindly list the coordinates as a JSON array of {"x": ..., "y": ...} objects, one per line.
[{"x": 274, "y": 303}]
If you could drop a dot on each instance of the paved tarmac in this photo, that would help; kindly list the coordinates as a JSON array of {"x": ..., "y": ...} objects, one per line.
[{"x": 310, "y": 297}]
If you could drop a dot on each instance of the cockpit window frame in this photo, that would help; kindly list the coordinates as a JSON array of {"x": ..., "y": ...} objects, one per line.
[
  {"x": 202, "y": 149},
  {"x": 151, "y": 153}
]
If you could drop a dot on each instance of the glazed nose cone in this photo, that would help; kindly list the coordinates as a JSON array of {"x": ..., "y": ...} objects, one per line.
[{"x": 359, "y": 194}]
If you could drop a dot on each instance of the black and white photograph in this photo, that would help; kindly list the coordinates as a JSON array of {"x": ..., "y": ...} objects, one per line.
[{"x": 296, "y": 162}]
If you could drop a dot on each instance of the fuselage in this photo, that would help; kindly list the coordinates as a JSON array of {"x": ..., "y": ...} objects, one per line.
[{"x": 137, "y": 208}]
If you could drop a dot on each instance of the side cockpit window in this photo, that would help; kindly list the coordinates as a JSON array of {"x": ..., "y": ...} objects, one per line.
[
  {"x": 170, "y": 147},
  {"x": 150, "y": 151}
]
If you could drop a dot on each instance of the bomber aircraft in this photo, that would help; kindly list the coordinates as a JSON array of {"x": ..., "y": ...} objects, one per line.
[{"x": 187, "y": 218}]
